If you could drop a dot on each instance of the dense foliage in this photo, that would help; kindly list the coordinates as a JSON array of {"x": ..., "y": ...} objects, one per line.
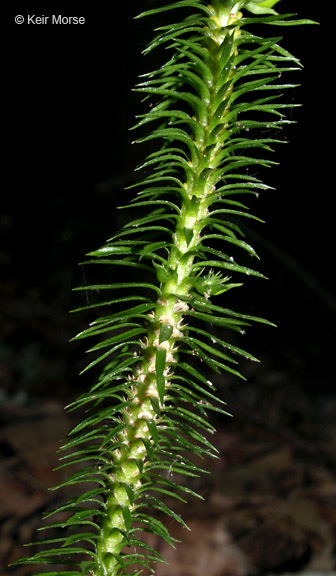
[{"x": 213, "y": 108}]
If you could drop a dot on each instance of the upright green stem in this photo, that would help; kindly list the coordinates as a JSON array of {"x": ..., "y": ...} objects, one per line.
[{"x": 159, "y": 350}]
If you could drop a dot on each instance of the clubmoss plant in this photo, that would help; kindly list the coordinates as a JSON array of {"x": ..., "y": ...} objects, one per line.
[{"x": 211, "y": 110}]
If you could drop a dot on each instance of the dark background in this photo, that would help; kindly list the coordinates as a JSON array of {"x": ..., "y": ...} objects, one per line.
[
  {"x": 67, "y": 108},
  {"x": 67, "y": 155}
]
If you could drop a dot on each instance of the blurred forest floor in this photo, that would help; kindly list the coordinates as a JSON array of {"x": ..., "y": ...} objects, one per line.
[{"x": 269, "y": 502}]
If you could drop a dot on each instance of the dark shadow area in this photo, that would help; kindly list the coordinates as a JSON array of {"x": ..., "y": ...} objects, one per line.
[{"x": 67, "y": 157}]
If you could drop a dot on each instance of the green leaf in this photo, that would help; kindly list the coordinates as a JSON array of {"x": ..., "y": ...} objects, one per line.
[
  {"x": 232, "y": 266},
  {"x": 160, "y": 365},
  {"x": 120, "y": 286},
  {"x": 189, "y": 234},
  {"x": 257, "y": 7},
  {"x": 155, "y": 526},
  {"x": 171, "y": 6},
  {"x": 166, "y": 331},
  {"x": 60, "y": 554},
  {"x": 153, "y": 430},
  {"x": 155, "y": 405},
  {"x": 127, "y": 517}
]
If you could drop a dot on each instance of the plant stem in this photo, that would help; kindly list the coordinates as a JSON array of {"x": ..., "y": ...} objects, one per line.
[{"x": 165, "y": 327}]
